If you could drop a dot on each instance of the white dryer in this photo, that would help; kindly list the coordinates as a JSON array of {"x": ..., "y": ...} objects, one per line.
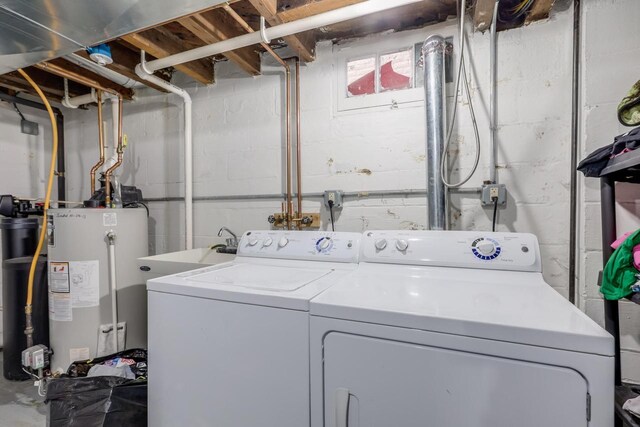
[
  {"x": 229, "y": 344},
  {"x": 451, "y": 329}
]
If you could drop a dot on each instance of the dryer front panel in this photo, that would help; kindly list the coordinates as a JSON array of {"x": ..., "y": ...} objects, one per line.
[{"x": 376, "y": 382}]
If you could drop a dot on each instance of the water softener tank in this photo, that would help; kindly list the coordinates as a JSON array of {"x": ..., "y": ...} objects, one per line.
[
  {"x": 19, "y": 237},
  {"x": 15, "y": 276},
  {"x": 80, "y": 295}
]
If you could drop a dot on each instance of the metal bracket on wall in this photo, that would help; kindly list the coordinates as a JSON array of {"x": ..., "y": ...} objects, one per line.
[{"x": 305, "y": 220}]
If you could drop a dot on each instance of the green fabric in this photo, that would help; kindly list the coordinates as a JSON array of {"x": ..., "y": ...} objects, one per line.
[
  {"x": 629, "y": 108},
  {"x": 619, "y": 274}
]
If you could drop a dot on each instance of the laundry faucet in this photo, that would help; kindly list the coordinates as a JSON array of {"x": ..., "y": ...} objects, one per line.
[{"x": 232, "y": 242}]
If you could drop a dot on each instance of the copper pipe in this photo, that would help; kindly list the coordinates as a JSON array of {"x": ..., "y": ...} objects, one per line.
[
  {"x": 298, "y": 144},
  {"x": 95, "y": 168},
  {"x": 78, "y": 78},
  {"x": 119, "y": 150},
  {"x": 289, "y": 213}
]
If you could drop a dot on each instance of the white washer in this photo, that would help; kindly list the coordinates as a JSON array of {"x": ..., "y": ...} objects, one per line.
[
  {"x": 456, "y": 329},
  {"x": 229, "y": 344}
]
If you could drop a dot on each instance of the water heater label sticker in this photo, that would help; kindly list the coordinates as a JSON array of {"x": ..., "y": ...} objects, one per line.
[
  {"x": 60, "y": 307},
  {"x": 85, "y": 283},
  {"x": 110, "y": 219},
  {"x": 59, "y": 277}
]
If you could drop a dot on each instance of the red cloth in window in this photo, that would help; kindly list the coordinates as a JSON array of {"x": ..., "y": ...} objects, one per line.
[{"x": 389, "y": 79}]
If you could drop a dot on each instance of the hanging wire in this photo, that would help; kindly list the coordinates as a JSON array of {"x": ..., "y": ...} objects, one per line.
[{"x": 18, "y": 110}]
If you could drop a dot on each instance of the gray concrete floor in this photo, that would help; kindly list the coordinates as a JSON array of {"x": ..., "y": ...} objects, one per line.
[{"x": 20, "y": 405}]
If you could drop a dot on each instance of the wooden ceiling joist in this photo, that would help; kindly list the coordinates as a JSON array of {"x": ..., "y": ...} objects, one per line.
[
  {"x": 162, "y": 44},
  {"x": 291, "y": 10},
  {"x": 216, "y": 25},
  {"x": 303, "y": 44},
  {"x": 50, "y": 84},
  {"x": 539, "y": 10},
  {"x": 483, "y": 14}
]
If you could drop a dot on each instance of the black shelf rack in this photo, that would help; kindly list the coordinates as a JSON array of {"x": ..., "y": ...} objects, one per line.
[{"x": 622, "y": 168}]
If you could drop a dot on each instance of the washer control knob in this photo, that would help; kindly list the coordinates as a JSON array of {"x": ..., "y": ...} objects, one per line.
[
  {"x": 267, "y": 242},
  {"x": 253, "y": 241},
  {"x": 325, "y": 243},
  {"x": 381, "y": 244},
  {"x": 283, "y": 242},
  {"x": 402, "y": 245},
  {"x": 486, "y": 247}
]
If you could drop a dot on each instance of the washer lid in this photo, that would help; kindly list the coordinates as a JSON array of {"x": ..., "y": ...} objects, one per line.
[
  {"x": 263, "y": 277},
  {"x": 269, "y": 283},
  {"x": 507, "y": 306}
]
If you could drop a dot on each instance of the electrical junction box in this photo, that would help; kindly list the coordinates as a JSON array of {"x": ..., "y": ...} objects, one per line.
[
  {"x": 36, "y": 357},
  {"x": 333, "y": 195},
  {"x": 491, "y": 192}
]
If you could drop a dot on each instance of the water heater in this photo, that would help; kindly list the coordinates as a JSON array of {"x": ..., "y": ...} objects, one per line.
[{"x": 94, "y": 279}]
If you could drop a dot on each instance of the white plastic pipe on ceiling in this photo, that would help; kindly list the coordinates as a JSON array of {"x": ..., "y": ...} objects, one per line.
[
  {"x": 105, "y": 72},
  {"x": 310, "y": 23},
  {"x": 145, "y": 74}
]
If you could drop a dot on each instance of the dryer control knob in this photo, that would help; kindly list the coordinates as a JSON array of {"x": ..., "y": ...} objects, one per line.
[
  {"x": 402, "y": 245},
  {"x": 267, "y": 242},
  {"x": 253, "y": 241},
  {"x": 381, "y": 244},
  {"x": 283, "y": 242},
  {"x": 486, "y": 247}
]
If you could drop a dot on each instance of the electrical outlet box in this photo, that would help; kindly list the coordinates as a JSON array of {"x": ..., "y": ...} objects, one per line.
[
  {"x": 491, "y": 192},
  {"x": 334, "y": 195}
]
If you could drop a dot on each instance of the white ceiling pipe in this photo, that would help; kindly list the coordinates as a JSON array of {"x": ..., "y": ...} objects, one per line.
[
  {"x": 77, "y": 101},
  {"x": 323, "y": 19},
  {"x": 105, "y": 72},
  {"x": 144, "y": 73},
  {"x": 114, "y": 120}
]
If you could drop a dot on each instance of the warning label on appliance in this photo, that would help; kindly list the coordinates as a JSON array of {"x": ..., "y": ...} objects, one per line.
[
  {"x": 59, "y": 277},
  {"x": 85, "y": 283},
  {"x": 60, "y": 307},
  {"x": 110, "y": 219}
]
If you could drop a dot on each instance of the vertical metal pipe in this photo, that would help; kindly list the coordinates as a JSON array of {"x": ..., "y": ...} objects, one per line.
[
  {"x": 298, "y": 143},
  {"x": 575, "y": 124},
  {"x": 92, "y": 173},
  {"x": 289, "y": 210},
  {"x": 611, "y": 308},
  {"x": 433, "y": 52},
  {"x": 492, "y": 95},
  {"x": 62, "y": 180}
]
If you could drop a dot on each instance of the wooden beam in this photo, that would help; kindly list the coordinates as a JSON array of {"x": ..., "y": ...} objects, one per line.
[
  {"x": 303, "y": 44},
  {"x": 124, "y": 62},
  {"x": 162, "y": 44},
  {"x": 24, "y": 87},
  {"x": 49, "y": 83},
  {"x": 75, "y": 69},
  {"x": 539, "y": 10},
  {"x": 216, "y": 25},
  {"x": 291, "y": 10},
  {"x": 483, "y": 14}
]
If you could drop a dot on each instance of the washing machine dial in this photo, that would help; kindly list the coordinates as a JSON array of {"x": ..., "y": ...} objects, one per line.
[
  {"x": 324, "y": 244},
  {"x": 381, "y": 244},
  {"x": 267, "y": 242},
  {"x": 486, "y": 248},
  {"x": 253, "y": 241},
  {"x": 283, "y": 242},
  {"x": 402, "y": 245}
]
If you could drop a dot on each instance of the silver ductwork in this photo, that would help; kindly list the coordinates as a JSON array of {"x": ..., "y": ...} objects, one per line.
[{"x": 433, "y": 53}]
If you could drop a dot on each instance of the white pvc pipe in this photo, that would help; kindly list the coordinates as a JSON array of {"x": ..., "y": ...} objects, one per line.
[
  {"x": 310, "y": 23},
  {"x": 111, "y": 236},
  {"x": 114, "y": 114},
  {"x": 105, "y": 72},
  {"x": 77, "y": 101},
  {"x": 144, "y": 73}
]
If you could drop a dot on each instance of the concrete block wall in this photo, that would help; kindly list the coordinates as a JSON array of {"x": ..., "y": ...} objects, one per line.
[
  {"x": 610, "y": 67},
  {"x": 238, "y": 142}
]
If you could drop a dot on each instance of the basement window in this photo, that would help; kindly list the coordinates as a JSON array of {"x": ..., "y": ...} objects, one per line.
[{"x": 382, "y": 74}]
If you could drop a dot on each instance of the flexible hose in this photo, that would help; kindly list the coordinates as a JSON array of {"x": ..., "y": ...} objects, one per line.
[
  {"x": 461, "y": 71},
  {"x": 47, "y": 200}
]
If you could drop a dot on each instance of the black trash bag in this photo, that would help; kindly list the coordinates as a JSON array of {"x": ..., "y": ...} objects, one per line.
[
  {"x": 106, "y": 401},
  {"x": 97, "y": 402}
]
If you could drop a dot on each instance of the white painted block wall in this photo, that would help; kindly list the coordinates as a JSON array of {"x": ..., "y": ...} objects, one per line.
[{"x": 610, "y": 68}]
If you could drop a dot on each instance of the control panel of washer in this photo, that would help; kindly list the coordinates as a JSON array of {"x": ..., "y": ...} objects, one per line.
[
  {"x": 301, "y": 245},
  {"x": 465, "y": 249}
]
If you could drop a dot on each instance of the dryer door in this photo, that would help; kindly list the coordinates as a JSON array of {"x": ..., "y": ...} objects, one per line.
[{"x": 374, "y": 382}]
